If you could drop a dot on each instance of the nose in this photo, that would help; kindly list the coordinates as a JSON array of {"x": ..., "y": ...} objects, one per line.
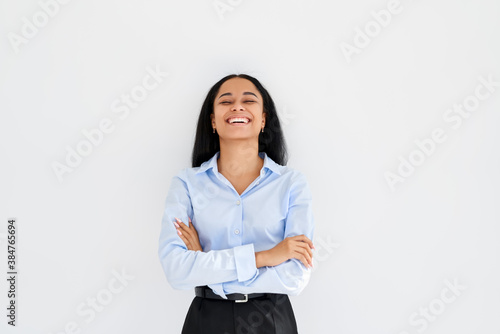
[{"x": 237, "y": 106}]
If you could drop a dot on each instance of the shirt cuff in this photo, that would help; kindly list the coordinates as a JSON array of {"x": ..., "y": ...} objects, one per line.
[{"x": 244, "y": 256}]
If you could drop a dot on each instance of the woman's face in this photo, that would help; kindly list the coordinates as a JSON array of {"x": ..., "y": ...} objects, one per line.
[{"x": 238, "y": 97}]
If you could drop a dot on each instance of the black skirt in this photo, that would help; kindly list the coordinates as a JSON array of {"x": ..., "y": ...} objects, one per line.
[{"x": 269, "y": 314}]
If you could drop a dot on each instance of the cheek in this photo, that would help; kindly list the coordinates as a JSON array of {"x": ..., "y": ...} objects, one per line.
[{"x": 217, "y": 115}]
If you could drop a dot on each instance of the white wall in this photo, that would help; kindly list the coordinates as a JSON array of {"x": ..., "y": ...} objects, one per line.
[{"x": 352, "y": 107}]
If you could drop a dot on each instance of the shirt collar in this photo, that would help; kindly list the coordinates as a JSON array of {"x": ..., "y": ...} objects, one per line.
[{"x": 268, "y": 163}]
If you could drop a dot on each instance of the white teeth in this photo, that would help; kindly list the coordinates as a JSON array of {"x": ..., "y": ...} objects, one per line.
[{"x": 238, "y": 119}]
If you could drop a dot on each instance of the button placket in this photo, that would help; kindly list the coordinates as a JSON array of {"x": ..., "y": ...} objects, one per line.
[{"x": 237, "y": 231}]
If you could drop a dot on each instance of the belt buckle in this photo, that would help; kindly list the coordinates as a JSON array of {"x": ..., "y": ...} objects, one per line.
[{"x": 242, "y": 300}]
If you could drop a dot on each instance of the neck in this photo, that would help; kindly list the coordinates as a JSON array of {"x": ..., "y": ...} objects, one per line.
[{"x": 239, "y": 158}]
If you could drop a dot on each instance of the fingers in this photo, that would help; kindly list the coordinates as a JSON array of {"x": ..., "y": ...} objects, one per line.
[
  {"x": 305, "y": 239},
  {"x": 191, "y": 226},
  {"x": 184, "y": 239},
  {"x": 188, "y": 229},
  {"x": 184, "y": 232},
  {"x": 301, "y": 249},
  {"x": 188, "y": 235},
  {"x": 306, "y": 251},
  {"x": 183, "y": 228},
  {"x": 303, "y": 258}
]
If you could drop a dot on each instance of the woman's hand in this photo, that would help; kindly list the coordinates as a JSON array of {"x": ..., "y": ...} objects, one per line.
[
  {"x": 297, "y": 247},
  {"x": 188, "y": 235}
]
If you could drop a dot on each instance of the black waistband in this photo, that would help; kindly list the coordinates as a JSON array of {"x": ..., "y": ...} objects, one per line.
[{"x": 206, "y": 292}]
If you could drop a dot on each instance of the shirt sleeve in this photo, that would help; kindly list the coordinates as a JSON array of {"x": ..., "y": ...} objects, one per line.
[
  {"x": 291, "y": 276},
  {"x": 185, "y": 269}
]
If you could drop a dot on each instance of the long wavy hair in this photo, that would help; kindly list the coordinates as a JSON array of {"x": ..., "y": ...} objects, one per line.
[{"x": 271, "y": 141}]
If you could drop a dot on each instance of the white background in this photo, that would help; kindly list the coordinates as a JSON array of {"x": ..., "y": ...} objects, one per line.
[{"x": 384, "y": 255}]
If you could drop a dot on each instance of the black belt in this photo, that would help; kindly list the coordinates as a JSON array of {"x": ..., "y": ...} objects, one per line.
[{"x": 206, "y": 292}]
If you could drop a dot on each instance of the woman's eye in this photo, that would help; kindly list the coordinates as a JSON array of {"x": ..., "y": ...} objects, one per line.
[{"x": 225, "y": 102}]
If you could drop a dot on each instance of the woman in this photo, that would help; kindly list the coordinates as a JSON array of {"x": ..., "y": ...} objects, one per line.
[{"x": 237, "y": 226}]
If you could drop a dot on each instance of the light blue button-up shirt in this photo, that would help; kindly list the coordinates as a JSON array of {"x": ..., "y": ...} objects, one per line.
[{"x": 232, "y": 227}]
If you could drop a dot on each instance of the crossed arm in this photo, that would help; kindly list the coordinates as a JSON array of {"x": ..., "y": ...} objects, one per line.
[
  {"x": 297, "y": 247},
  {"x": 284, "y": 268}
]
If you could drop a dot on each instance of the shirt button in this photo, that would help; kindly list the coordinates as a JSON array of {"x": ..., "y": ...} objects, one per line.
[
  {"x": 238, "y": 202},
  {"x": 236, "y": 231}
]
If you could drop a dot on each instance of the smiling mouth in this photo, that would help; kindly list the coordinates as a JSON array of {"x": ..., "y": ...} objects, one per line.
[
  {"x": 238, "y": 121},
  {"x": 239, "y": 124}
]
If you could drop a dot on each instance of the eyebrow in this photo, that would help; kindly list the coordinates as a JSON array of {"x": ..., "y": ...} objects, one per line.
[{"x": 244, "y": 93}]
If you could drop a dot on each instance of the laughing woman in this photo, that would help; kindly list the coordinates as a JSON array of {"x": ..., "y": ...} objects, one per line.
[{"x": 237, "y": 225}]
